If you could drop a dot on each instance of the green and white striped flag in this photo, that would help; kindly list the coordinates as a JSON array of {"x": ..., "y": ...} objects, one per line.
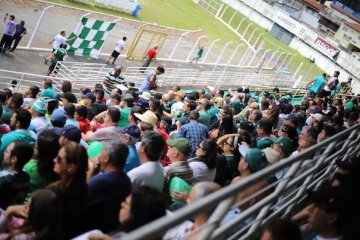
[{"x": 91, "y": 35}]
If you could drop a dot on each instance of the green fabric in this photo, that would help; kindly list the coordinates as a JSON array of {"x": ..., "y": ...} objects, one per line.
[
  {"x": 213, "y": 112},
  {"x": 237, "y": 106},
  {"x": 36, "y": 180},
  {"x": 59, "y": 55},
  {"x": 256, "y": 159},
  {"x": 181, "y": 144},
  {"x": 200, "y": 52},
  {"x": 124, "y": 117},
  {"x": 286, "y": 144},
  {"x": 14, "y": 136},
  {"x": 264, "y": 143},
  {"x": 204, "y": 118}
]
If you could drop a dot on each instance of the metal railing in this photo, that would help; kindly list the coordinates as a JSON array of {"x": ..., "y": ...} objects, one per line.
[{"x": 276, "y": 199}]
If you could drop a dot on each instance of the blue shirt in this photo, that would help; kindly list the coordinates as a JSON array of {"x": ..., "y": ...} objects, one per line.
[
  {"x": 318, "y": 84},
  {"x": 145, "y": 86},
  {"x": 195, "y": 132},
  {"x": 132, "y": 160},
  {"x": 71, "y": 121},
  {"x": 49, "y": 92}
]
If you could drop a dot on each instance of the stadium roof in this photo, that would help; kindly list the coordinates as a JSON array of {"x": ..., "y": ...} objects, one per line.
[
  {"x": 353, "y": 25},
  {"x": 339, "y": 9}
]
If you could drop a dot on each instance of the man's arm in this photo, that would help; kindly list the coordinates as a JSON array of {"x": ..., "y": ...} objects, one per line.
[
  {"x": 152, "y": 80},
  {"x": 6, "y": 16},
  {"x": 70, "y": 39}
]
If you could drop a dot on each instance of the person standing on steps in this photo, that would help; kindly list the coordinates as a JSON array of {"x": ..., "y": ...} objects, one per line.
[
  {"x": 199, "y": 54},
  {"x": 261, "y": 64},
  {"x": 10, "y": 26},
  {"x": 120, "y": 45},
  {"x": 150, "y": 55},
  {"x": 20, "y": 31}
]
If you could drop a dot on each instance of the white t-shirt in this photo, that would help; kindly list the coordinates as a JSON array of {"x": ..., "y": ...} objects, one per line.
[
  {"x": 58, "y": 40},
  {"x": 40, "y": 123},
  {"x": 149, "y": 174},
  {"x": 120, "y": 46},
  {"x": 201, "y": 172}
]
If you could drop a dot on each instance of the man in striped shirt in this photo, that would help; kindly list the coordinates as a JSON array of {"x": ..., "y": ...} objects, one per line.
[
  {"x": 112, "y": 79},
  {"x": 179, "y": 150}
]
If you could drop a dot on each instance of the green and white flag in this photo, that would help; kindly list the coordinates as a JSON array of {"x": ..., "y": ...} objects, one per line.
[{"x": 90, "y": 37}]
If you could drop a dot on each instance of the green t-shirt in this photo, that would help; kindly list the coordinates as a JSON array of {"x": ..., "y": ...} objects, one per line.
[
  {"x": 36, "y": 180},
  {"x": 204, "y": 118},
  {"x": 124, "y": 117},
  {"x": 59, "y": 55},
  {"x": 237, "y": 106},
  {"x": 213, "y": 112}
]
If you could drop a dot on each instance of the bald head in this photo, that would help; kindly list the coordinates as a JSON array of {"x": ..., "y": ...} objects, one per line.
[
  {"x": 117, "y": 70},
  {"x": 201, "y": 190}
]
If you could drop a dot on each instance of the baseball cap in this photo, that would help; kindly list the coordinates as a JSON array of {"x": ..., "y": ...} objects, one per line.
[
  {"x": 91, "y": 96},
  {"x": 40, "y": 105},
  {"x": 72, "y": 133},
  {"x": 183, "y": 120},
  {"x": 317, "y": 116},
  {"x": 286, "y": 144},
  {"x": 272, "y": 156},
  {"x": 85, "y": 90},
  {"x": 247, "y": 126},
  {"x": 256, "y": 159},
  {"x": 337, "y": 120},
  {"x": 167, "y": 121},
  {"x": 181, "y": 144},
  {"x": 132, "y": 130},
  {"x": 58, "y": 116},
  {"x": 143, "y": 103},
  {"x": 293, "y": 117}
]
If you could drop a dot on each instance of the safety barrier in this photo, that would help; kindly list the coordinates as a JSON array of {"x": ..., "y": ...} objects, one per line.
[{"x": 281, "y": 197}]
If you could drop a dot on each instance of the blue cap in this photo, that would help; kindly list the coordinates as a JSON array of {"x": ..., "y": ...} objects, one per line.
[
  {"x": 91, "y": 96},
  {"x": 59, "y": 116},
  {"x": 72, "y": 133},
  {"x": 132, "y": 130}
]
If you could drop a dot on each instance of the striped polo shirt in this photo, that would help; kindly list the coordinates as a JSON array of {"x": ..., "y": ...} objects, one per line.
[{"x": 110, "y": 77}]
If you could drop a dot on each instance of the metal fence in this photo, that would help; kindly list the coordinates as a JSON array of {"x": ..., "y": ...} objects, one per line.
[{"x": 282, "y": 197}]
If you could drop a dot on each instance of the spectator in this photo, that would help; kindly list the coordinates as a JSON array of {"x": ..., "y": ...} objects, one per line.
[
  {"x": 150, "y": 82},
  {"x": 281, "y": 229},
  {"x": 58, "y": 118},
  {"x": 10, "y": 27},
  {"x": 80, "y": 116},
  {"x": 150, "y": 171},
  {"x": 150, "y": 55},
  {"x": 67, "y": 98},
  {"x": 42, "y": 218},
  {"x": 317, "y": 84},
  {"x": 194, "y": 131},
  {"x": 30, "y": 95},
  {"x": 38, "y": 111},
  {"x": 66, "y": 87},
  {"x": 113, "y": 79},
  {"x": 89, "y": 100},
  {"x": 179, "y": 150},
  {"x": 48, "y": 89},
  {"x": 177, "y": 106},
  {"x": 148, "y": 117},
  {"x": 204, "y": 167},
  {"x": 67, "y": 134},
  {"x": 70, "y": 113},
  {"x": 109, "y": 189},
  {"x": 130, "y": 135},
  {"x": 19, "y": 124},
  {"x": 15, "y": 102},
  {"x": 14, "y": 182},
  {"x": 126, "y": 104},
  {"x": 264, "y": 129},
  {"x": 204, "y": 116},
  {"x": 41, "y": 169}
]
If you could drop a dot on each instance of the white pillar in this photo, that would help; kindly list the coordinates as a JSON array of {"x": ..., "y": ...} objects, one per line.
[
  {"x": 290, "y": 60},
  {"x": 294, "y": 76},
  {"x": 232, "y": 17},
  {"x": 252, "y": 59},
  {"x": 244, "y": 56},
  {"x": 222, "y": 52},
  {"x": 177, "y": 44},
  {"x": 38, "y": 25},
  {"x": 218, "y": 12},
  {"x": 257, "y": 40},
  {"x": 224, "y": 12},
  {"x": 287, "y": 55},
  {"x": 251, "y": 36},
  {"x": 196, "y": 43},
  {"x": 247, "y": 28},
  {"x": 233, "y": 54},
  {"x": 238, "y": 27},
  {"x": 271, "y": 58},
  {"x": 278, "y": 58},
  {"x": 209, "y": 50}
]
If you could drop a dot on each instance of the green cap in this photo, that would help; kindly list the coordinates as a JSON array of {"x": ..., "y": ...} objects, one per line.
[
  {"x": 183, "y": 120},
  {"x": 40, "y": 105},
  {"x": 182, "y": 144},
  {"x": 286, "y": 144},
  {"x": 349, "y": 105},
  {"x": 256, "y": 159}
]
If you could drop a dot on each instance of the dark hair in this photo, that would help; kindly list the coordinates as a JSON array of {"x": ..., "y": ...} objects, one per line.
[
  {"x": 81, "y": 111},
  {"x": 8, "y": 93},
  {"x": 329, "y": 130},
  {"x": 34, "y": 91},
  {"x": 66, "y": 86},
  {"x": 129, "y": 99},
  {"x": 154, "y": 145},
  {"x": 312, "y": 132},
  {"x": 118, "y": 152},
  {"x": 283, "y": 229},
  {"x": 145, "y": 126},
  {"x": 44, "y": 216},
  {"x": 116, "y": 96},
  {"x": 114, "y": 114},
  {"x": 221, "y": 92},
  {"x": 70, "y": 110},
  {"x": 161, "y": 69},
  {"x": 265, "y": 104},
  {"x": 17, "y": 99},
  {"x": 227, "y": 125},
  {"x": 62, "y": 32},
  {"x": 290, "y": 131},
  {"x": 265, "y": 124},
  {"x": 2, "y": 96},
  {"x": 194, "y": 115},
  {"x": 99, "y": 93},
  {"x": 192, "y": 105},
  {"x": 70, "y": 97},
  {"x": 124, "y": 38},
  {"x": 23, "y": 116},
  {"x": 48, "y": 147},
  {"x": 52, "y": 105},
  {"x": 23, "y": 151},
  {"x": 134, "y": 110},
  {"x": 13, "y": 83},
  {"x": 147, "y": 204},
  {"x": 211, "y": 149}
]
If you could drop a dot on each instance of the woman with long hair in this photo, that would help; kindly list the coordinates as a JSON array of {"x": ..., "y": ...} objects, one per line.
[
  {"x": 41, "y": 169},
  {"x": 204, "y": 166},
  {"x": 43, "y": 217},
  {"x": 224, "y": 125},
  {"x": 71, "y": 165}
]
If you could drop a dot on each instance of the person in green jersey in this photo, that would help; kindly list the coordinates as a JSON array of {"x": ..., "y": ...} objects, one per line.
[
  {"x": 199, "y": 54},
  {"x": 59, "y": 56}
]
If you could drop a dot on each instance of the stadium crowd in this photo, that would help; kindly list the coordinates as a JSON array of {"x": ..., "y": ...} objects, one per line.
[{"x": 72, "y": 164}]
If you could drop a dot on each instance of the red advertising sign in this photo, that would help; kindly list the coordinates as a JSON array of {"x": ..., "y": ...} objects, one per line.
[{"x": 326, "y": 47}]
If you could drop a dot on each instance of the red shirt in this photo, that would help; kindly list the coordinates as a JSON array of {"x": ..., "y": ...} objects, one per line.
[
  {"x": 84, "y": 125},
  {"x": 165, "y": 161},
  {"x": 151, "y": 53}
]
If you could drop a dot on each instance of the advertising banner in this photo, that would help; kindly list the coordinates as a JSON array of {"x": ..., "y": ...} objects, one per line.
[{"x": 326, "y": 47}]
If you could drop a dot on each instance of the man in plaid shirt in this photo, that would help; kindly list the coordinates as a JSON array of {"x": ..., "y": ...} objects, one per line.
[{"x": 194, "y": 131}]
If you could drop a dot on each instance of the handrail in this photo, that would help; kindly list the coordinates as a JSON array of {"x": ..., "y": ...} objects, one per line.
[{"x": 158, "y": 227}]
